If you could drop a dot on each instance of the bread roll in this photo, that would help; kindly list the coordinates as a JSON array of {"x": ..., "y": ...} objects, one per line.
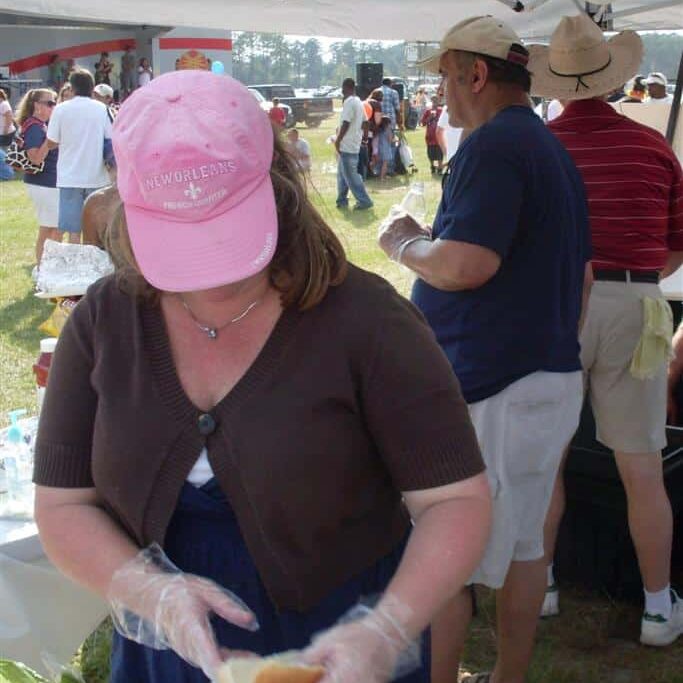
[{"x": 282, "y": 668}]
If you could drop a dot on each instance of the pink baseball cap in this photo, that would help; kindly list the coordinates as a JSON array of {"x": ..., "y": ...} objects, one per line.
[{"x": 193, "y": 151}]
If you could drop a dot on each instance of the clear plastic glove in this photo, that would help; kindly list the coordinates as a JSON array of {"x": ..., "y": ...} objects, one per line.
[
  {"x": 155, "y": 604},
  {"x": 398, "y": 230},
  {"x": 369, "y": 645}
]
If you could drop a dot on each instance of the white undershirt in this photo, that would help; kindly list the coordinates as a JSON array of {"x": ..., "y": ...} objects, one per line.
[
  {"x": 202, "y": 472},
  {"x": 453, "y": 134},
  {"x": 668, "y": 99}
]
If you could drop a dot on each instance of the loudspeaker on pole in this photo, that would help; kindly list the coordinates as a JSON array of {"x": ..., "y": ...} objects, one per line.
[{"x": 368, "y": 77}]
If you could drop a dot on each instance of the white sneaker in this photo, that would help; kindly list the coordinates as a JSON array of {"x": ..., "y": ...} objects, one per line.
[
  {"x": 657, "y": 631},
  {"x": 551, "y": 602}
]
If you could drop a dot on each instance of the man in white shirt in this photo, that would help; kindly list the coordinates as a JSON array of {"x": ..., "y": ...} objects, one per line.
[
  {"x": 80, "y": 128},
  {"x": 656, "y": 88},
  {"x": 300, "y": 149},
  {"x": 347, "y": 144},
  {"x": 447, "y": 135}
]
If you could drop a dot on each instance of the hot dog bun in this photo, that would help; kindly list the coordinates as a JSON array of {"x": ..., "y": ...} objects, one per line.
[{"x": 277, "y": 669}]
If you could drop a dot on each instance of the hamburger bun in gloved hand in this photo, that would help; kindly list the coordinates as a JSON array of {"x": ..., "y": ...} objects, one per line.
[{"x": 282, "y": 668}]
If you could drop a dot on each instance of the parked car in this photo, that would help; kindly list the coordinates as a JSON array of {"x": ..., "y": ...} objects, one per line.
[
  {"x": 309, "y": 110},
  {"x": 267, "y": 105},
  {"x": 324, "y": 90}
]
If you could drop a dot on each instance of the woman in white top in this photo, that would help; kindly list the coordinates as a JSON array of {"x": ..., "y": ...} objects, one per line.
[
  {"x": 7, "y": 127},
  {"x": 144, "y": 72}
]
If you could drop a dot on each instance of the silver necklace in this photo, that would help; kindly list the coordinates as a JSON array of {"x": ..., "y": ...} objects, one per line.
[{"x": 212, "y": 332}]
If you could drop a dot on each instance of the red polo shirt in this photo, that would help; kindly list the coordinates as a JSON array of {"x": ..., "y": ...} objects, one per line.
[
  {"x": 278, "y": 115},
  {"x": 430, "y": 119},
  {"x": 634, "y": 185}
]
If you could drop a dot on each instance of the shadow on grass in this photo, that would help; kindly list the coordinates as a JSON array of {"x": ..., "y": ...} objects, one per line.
[
  {"x": 19, "y": 321},
  {"x": 359, "y": 219},
  {"x": 391, "y": 183}
]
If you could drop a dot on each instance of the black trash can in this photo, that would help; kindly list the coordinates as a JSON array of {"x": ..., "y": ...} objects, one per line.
[{"x": 594, "y": 548}]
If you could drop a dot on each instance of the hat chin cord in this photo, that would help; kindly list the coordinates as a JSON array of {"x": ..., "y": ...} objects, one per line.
[{"x": 579, "y": 77}]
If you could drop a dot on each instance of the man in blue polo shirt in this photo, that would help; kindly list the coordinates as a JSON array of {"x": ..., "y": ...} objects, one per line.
[{"x": 501, "y": 278}]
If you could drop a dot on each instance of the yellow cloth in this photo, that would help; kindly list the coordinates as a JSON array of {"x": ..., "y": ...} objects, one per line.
[{"x": 654, "y": 347}]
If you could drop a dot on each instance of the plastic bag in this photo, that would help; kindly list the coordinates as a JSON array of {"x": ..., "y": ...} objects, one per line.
[
  {"x": 406, "y": 154},
  {"x": 55, "y": 323},
  {"x": 15, "y": 672},
  {"x": 58, "y": 672},
  {"x": 69, "y": 269}
]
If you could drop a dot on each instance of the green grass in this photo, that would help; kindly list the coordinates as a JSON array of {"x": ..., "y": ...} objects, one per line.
[
  {"x": 593, "y": 641},
  {"x": 20, "y": 311}
]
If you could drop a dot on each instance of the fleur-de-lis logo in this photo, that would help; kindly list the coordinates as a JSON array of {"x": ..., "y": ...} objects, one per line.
[{"x": 193, "y": 191}]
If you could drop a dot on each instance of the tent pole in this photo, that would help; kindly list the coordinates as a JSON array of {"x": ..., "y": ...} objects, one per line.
[
  {"x": 663, "y": 4},
  {"x": 676, "y": 104}
]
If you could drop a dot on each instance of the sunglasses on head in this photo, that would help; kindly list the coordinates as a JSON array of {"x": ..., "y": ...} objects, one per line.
[{"x": 49, "y": 103}]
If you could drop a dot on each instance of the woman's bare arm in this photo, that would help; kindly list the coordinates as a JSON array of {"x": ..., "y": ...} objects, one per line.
[{"x": 80, "y": 538}]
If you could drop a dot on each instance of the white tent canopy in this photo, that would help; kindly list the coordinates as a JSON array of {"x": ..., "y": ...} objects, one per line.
[{"x": 423, "y": 20}]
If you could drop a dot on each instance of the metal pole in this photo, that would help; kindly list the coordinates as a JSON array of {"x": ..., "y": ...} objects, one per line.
[
  {"x": 664, "y": 4},
  {"x": 676, "y": 104}
]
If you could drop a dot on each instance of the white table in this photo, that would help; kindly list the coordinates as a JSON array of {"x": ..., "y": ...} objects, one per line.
[
  {"x": 42, "y": 612},
  {"x": 672, "y": 286}
]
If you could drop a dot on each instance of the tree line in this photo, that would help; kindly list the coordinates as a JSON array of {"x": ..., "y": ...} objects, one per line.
[{"x": 272, "y": 58}]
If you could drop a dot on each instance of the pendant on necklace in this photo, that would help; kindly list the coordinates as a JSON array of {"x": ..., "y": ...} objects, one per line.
[{"x": 211, "y": 332}]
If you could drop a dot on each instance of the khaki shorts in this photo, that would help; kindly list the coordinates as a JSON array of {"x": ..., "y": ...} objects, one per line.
[
  {"x": 630, "y": 413},
  {"x": 523, "y": 432}
]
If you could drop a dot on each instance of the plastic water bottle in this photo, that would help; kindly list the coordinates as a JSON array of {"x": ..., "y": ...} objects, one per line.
[
  {"x": 3, "y": 485},
  {"x": 414, "y": 203},
  {"x": 18, "y": 463}
]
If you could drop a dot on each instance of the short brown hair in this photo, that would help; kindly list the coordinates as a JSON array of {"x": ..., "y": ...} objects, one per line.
[
  {"x": 82, "y": 82},
  {"x": 308, "y": 260}
]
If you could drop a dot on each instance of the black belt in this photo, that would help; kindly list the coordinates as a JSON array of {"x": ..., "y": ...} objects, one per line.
[{"x": 651, "y": 276}]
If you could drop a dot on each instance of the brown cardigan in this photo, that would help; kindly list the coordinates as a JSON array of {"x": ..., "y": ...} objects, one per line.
[{"x": 347, "y": 405}]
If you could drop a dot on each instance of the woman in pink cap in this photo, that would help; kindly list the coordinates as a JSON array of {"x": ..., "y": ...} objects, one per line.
[{"x": 271, "y": 416}]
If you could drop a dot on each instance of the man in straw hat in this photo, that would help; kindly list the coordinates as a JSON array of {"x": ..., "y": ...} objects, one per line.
[
  {"x": 633, "y": 182},
  {"x": 501, "y": 277}
]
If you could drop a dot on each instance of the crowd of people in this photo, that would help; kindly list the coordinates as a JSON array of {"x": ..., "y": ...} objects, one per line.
[
  {"x": 419, "y": 451},
  {"x": 648, "y": 89},
  {"x": 67, "y": 137},
  {"x": 132, "y": 73}
]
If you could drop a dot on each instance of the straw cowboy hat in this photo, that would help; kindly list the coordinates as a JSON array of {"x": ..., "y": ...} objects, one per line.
[{"x": 581, "y": 63}]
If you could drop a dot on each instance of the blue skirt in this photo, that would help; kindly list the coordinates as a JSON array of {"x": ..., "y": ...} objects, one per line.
[{"x": 204, "y": 538}]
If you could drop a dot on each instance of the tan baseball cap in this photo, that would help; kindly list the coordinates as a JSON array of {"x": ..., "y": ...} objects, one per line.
[{"x": 483, "y": 35}]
